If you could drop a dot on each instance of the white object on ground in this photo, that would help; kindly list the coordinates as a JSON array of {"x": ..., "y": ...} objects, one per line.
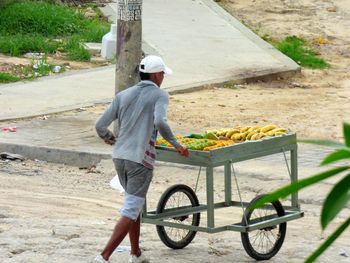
[
  {"x": 115, "y": 184},
  {"x": 56, "y": 69},
  {"x": 109, "y": 43}
]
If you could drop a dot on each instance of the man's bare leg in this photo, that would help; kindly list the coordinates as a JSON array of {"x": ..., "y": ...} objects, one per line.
[
  {"x": 134, "y": 236},
  {"x": 121, "y": 229}
]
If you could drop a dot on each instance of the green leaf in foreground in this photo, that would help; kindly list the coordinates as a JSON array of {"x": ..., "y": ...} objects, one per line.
[
  {"x": 294, "y": 187},
  {"x": 337, "y": 155},
  {"x": 346, "y": 130},
  {"x": 336, "y": 200},
  {"x": 328, "y": 242}
]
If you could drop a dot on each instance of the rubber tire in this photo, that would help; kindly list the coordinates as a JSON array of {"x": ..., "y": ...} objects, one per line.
[
  {"x": 195, "y": 221},
  {"x": 282, "y": 232}
]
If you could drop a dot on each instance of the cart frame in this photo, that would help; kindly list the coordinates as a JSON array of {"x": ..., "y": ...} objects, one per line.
[{"x": 226, "y": 156}]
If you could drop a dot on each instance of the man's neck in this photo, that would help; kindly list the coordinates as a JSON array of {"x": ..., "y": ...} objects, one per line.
[{"x": 150, "y": 81}]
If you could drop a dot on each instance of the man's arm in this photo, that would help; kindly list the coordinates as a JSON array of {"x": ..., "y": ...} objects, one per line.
[
  {"x": 160, "y": 122},
  {"x": 105, "y": 120}
]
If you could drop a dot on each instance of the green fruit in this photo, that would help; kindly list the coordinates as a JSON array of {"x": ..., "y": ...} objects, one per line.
[
  {"x": 196, "y": 136},
  {"x": 211, "y": 136}
]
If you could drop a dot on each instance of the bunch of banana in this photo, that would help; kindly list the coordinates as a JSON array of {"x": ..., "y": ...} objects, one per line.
[{"x": 249, "y": 132}]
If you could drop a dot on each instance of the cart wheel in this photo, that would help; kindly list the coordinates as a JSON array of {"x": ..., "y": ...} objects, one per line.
[
  {"x": 177, "y": 196},
  {"x": 263, "y": 244}
]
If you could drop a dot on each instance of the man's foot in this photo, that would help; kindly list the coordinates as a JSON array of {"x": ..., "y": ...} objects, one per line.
[
  {"x": 100, "y": 259},
  {"x": 141, "y": 259}
]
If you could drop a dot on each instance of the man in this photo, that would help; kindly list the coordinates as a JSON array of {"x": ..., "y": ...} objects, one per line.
[{"x": 140, "y": 112}]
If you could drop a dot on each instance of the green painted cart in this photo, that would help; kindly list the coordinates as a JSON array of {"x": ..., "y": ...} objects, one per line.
[{"x": 262, "y": 229}]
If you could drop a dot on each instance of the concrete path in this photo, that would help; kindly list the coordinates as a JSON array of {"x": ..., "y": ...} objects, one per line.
[
  {"x": 200, "y": 41},
  {"x": 71, "y": 138}
]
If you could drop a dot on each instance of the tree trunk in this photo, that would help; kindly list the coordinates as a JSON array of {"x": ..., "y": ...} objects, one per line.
[{"x": 129, "y": 43}]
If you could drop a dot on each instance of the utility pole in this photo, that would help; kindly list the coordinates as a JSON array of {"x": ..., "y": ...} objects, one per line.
[{"x": 129, "y": 43}]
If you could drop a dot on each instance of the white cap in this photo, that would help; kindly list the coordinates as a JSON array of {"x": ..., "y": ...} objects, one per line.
[{"x": 153, "y": 64}]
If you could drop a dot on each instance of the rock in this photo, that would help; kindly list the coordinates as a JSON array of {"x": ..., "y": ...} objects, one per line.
[
  {"x": 34, "y": 55},
  {"x": 332, "y": 9}
]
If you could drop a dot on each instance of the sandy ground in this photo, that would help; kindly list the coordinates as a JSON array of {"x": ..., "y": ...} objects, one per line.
[
  {"x": 56, "y": 213},
  {"x": 314, "y": 104}
]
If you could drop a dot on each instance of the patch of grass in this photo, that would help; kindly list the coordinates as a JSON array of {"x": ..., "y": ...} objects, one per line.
[
  {"x": 298, "y": 50},
  {"x": 6, "y": 78},
  {"x": 4, "y": 3},
  {"x": 95, "y": 30},
  {"x": 31, "y": 26},
  {"x": 75, "y": 51},
  {"x": 17, "y": 45},
  {"x": 40, "y": 17}
]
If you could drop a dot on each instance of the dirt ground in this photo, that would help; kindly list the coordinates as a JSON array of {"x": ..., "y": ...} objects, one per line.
[
  {"x": 56, "y": 213},
  {"x": 313, "y": 104}
]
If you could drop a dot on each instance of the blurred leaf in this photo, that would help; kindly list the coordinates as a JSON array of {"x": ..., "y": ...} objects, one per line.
[
  {"x": 294, "y": 187},
  {"x": 335, "y": 201},
  {"x": 337, "y": 155},
  {"x": 328, "y": 242},
  {"x": 323, "y": 143},
  {"x": 346, "y": 130}
]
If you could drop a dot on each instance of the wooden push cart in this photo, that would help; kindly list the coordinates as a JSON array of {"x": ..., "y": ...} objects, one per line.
[{"x": 262, "y": 229}]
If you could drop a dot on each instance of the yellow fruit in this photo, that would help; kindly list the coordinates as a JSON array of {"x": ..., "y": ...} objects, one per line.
[
  {"x": 270, "y": 133},
  {"x": 244, "y": 129},
  {"x": 255, "y": 137},
  {"x": 249, "y": 135},
  {"x": 261, "y": 135},
  {"x": 244, "y": 135},
  {"x": 254, "y": 128},
  {"x": 237, "y": 136},
  {"x": 231, "y": 132},
  {"x": 279, "y": 133},
  {"x": 222, "y": 132},
  {"x": 280, "y": 130},
  {"x": 268, "y": 128}
]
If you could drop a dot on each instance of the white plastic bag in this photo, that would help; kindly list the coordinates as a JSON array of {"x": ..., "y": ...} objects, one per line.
[{"x": 115, "y": 184}]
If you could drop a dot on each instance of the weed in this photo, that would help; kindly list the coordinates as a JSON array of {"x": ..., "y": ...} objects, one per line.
[
  {"x": 31, "y": 26},
  {"x": 298, "y": 50},
  {"x": 40, "y": 17},
  {"x": 6, "y": 78},
  {"x": 17, "y": 45},
  {"x": 79, "y": 54},
  {"x": 75, "y": 51},
  {"x": 41, "y": 67},
  {"x": 95, "y": 30}
]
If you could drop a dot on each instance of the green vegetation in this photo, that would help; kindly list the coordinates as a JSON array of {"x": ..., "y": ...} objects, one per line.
[
  {"x": 16, "y": 45},
  {"x": 337, "y": 199},
  {"x": 41, "y": 18},
  {"x": 41, "y": 26},
  {"x": 6, "y": 77},
  {"x": 298, "y": 50},
  {"x": 38, "y": 68},
  {"x": 75, "y": 51}
]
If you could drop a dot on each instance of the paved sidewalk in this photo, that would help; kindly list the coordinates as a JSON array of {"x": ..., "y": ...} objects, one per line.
[
  {"x": 71, "y": 138},
  {"x": 198, "y": 39}
]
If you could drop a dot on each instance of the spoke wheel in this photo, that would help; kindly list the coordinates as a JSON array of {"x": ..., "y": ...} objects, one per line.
[
  {"x": 263, "y": 244},
  {"x": 174, "y": 197}
]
